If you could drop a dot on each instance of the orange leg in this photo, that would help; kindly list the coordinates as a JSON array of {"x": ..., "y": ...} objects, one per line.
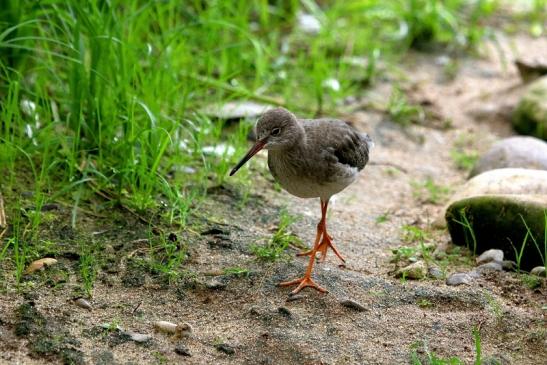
[
  {"x": 324, "y": 238},
  {"x": 306, "y": 280}
]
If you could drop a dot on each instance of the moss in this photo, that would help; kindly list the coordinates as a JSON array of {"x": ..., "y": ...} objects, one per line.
[
  {"x": 530, "y": 116},
  {"x": 497, "y": 222}
]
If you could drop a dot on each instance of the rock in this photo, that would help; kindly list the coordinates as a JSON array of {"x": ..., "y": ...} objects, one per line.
[
  {"x": 182, "y": 350},
  {"x": 235, "y": 110},
  {"x": 215, "y": 284},
  {"x": 83, "y": 303},
  {"x": 284, "y": 311},
  {"x": 518, "y": 152},
  {"x": 530, "y": 116},
  {"x": 295, "y": 297},
  {"x": 227, "y": 349},
  {"x": 435, "y": 273},
  {"x": 416, "y": 271},
  {"x": 498, "y": 221},
  {"x": 352, "y": 304},
  {"x": 490, "y": 266},
  {"x": 459, "y": 279},
  {"x": 507, "y": 181},
  {"x": 138, "y": 337},
  {"x": 538, "y": 271},
  {"x": 490, "y": 255},
  {"x": 511, "y": 181}
]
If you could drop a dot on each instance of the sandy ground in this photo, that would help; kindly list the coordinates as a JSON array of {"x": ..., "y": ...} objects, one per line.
[{"x": 252, "y": 316}]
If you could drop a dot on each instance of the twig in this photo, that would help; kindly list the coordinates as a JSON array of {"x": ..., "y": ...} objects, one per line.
[
  {"x": 3, "y": 222},
  {"x": 137, "y": 307}
]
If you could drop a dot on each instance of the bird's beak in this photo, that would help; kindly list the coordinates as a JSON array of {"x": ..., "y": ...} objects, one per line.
[{"x": 253, "y": 151}]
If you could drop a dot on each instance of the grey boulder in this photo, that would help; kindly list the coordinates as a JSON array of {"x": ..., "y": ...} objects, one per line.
[{"x": 519, "y": 152}]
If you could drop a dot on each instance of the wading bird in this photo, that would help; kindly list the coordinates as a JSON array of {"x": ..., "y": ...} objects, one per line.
[{"x": 310, "y": 159}]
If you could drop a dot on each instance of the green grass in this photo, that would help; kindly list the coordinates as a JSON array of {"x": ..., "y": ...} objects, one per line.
[
  {"x": 102, "y": 99},
  {"x": 469, "y": 232},
  {"x": 429, "y": 191},
  {"x": 464, "y": 160},
  {"x": 275, "y": 247},
  {"x": 401, "y": 111}
]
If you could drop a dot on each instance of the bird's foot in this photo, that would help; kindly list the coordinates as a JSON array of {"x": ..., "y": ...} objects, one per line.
[
  {"x": 325, "y": 244},
  {"x": 303, "y": 283},
  {"x": 323, "y": 247}
]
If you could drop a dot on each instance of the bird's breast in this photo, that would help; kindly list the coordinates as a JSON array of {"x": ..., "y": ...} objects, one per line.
[{"x": 307, "y": 180}]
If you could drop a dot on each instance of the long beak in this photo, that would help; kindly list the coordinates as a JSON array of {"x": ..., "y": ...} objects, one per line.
[{"x": 253, "y": 151}]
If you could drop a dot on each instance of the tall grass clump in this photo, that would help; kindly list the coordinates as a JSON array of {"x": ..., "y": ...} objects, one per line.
[{"x": 105, "y": 96}]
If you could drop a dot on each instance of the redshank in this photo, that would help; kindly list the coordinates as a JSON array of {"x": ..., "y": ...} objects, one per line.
[{"x": 310, "y": 158}]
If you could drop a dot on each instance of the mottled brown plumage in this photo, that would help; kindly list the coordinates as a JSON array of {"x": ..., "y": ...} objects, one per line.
[{"x": 311, "y": 159}]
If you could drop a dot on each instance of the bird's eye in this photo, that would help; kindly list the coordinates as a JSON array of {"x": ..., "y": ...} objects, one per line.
[{"x": 276, "y": 131}]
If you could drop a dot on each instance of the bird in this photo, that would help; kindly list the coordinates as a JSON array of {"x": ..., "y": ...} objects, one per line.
[{"x": 310, "y": 158}]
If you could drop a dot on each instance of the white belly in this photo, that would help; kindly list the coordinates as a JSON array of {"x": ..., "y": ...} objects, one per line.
[{"x": 311, "y": 189}]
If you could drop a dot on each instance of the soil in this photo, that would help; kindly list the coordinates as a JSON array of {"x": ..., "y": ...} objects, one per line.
[{"x": 245, "y": 318}]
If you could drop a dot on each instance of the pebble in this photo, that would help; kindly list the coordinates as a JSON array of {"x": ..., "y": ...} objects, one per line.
[
  {"x": 352, "y": 304},
  {"x": 459, "y": 279},
  {"x": 295, "y": 297},
  {"x": 227, "y": 349},
  {"x": 490, "y": 255},
  {"x": 138, "y": 337},
  {"x": 182, "y": 350},
  {"x": 538, "y": 271},
  {"x": 284, "y": 311},
  {"x": 83, "y": 303},
  {"x": 490, "y": 266},
  {"x": 415, "y": 271},
  {"x": 435, "y": 273},
  {"x": 215, "y": 284}
]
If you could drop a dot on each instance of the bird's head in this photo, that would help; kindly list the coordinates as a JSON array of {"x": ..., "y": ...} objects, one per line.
[{"x": 276, "y": 129}]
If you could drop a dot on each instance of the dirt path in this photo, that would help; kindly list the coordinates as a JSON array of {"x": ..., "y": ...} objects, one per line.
[{"x": 250, "y": 316}]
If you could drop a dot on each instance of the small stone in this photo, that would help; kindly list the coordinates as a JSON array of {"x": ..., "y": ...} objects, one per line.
[
  {"x": 83, "y": 303},
  {"x": 352, "y": 304},
  {"x": 215, "y": 284},
  {"x": 182, "y": 350},
  {"x": 490, "y": 255},
  {"x": 489, "y": 266},
  {"x": 49, "y": 207},
  {"x": 538, "y": 271},
  {"x": 415, "y": 271},
  {"x": 459, "y": 279},
  {"x": 294, "y": 297},
  {"x": 138, "y": 337},
  {"x": 284, "y": 311},
  {"x": 435, "y": 273},
  {"x": 227, "y": 349}
]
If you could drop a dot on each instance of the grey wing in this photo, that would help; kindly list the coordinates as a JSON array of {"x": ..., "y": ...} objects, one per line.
[{"x": 348, "y": 146}]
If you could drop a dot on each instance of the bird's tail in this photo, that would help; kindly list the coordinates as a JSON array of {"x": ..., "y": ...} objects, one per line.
[{"x": 368, "y": 140}]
